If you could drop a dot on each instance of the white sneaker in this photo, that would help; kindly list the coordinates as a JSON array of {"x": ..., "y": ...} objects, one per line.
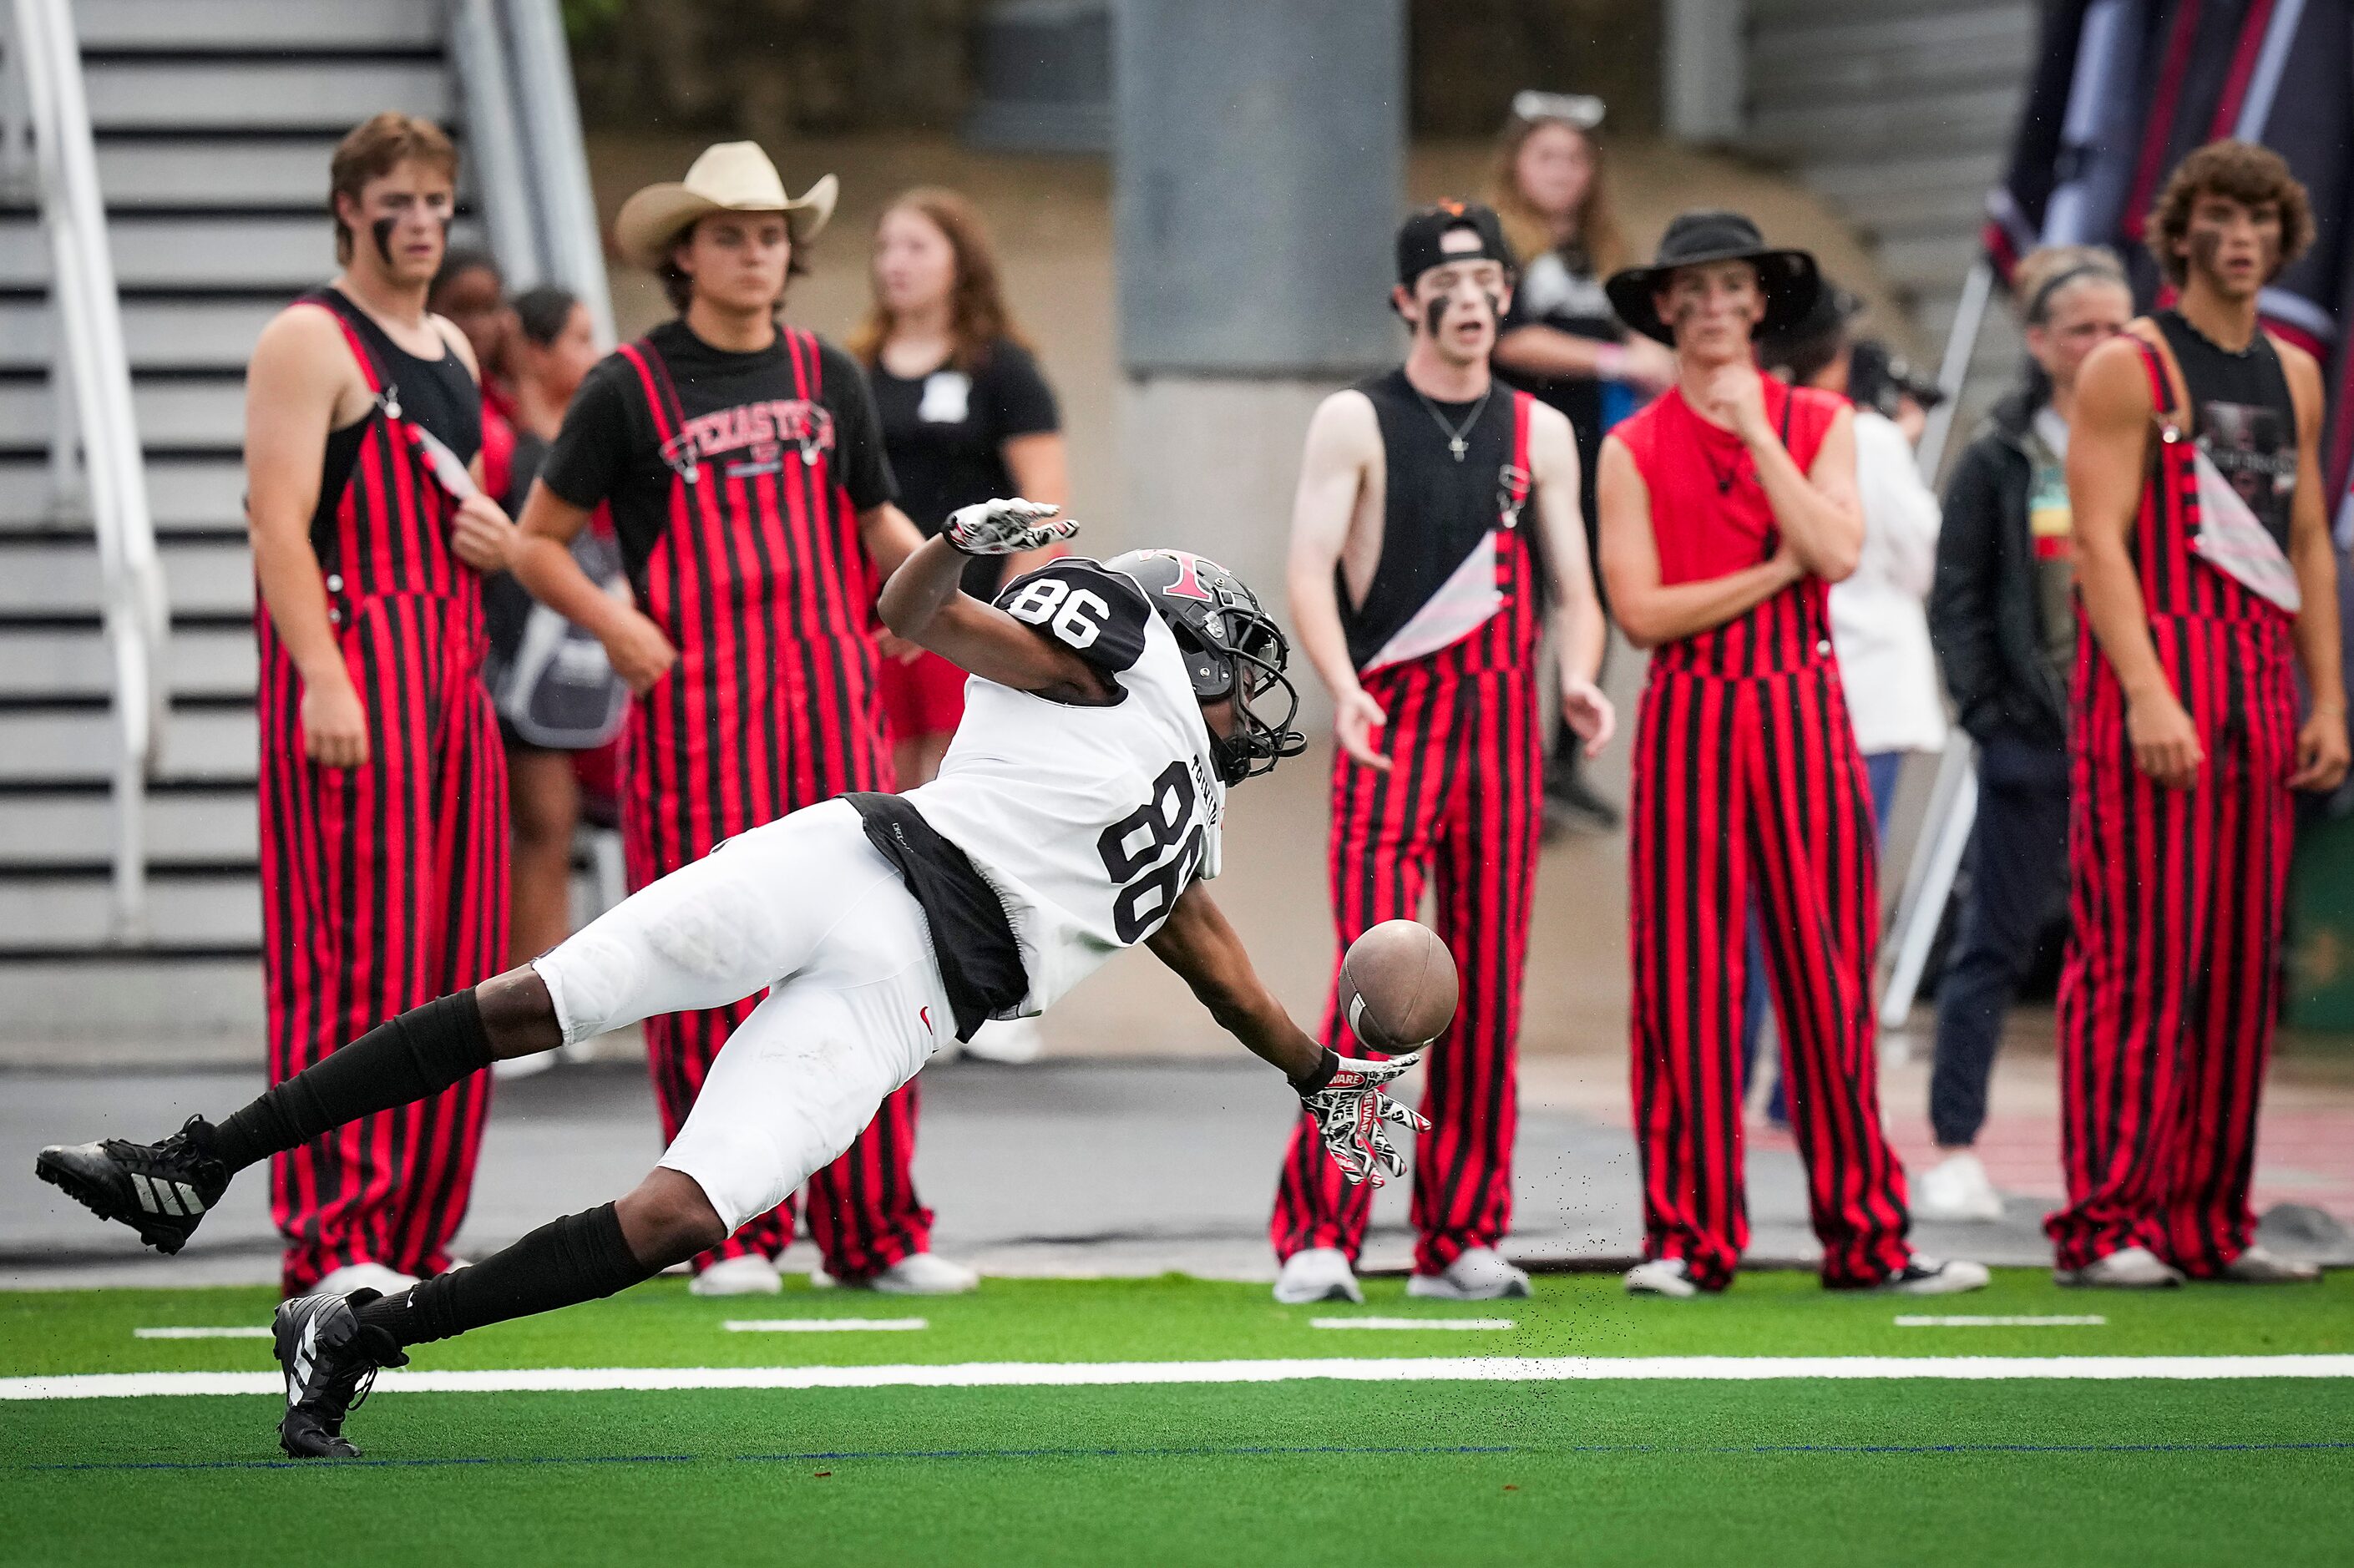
[
  {"x": 1929, "y": 1276},
  {"x": 2128, "y": 1268},
  {"x": 1956, "y": 1187},
  {"x": 2261, "y": 1266},
  {"x": 1318, "y": 1274},
  {"x": 750, "y": 1274},
  {"x": 1477, "y": 1273},
  {"x": 363, "y": 1276},
  {"x": 1668, "y": 1276},
  {"x": 918, "y": 1273},
  {"x": 1009, "y": 1042}
]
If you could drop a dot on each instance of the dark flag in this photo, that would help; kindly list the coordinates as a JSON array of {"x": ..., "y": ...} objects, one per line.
[{"x": 2125, "y": 88}]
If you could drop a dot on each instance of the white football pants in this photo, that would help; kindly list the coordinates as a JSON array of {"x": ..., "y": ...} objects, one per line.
[{"x": 808, "y": 909}]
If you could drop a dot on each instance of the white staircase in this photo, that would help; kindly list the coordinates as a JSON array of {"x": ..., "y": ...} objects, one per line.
[
  {"x": 212, "y": 122},
  {"x": 1901, "y": 112}
]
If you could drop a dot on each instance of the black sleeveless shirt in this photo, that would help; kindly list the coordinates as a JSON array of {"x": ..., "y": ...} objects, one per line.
[
  {"x": 1436, "y": 508},
  {"x": 2243, "y": 415},
  {"x": 436, "y": 393}
]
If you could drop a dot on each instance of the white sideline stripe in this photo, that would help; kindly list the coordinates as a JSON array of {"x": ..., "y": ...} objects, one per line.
[
  {"x": 2077, "y": 1320},
  {"x": 1079, "y": 1374},
  {"x": 1467, "y": 1323},
  {"x": 822, "y": 1325},
  {"x": 248, "y": 1332}
]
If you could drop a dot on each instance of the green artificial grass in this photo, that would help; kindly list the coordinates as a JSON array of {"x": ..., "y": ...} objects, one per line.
[
  {"x": 1176, "y": 1318},
  {"x": 1791, "y": 1471},
  {"x": 1312, "y": 1473}
]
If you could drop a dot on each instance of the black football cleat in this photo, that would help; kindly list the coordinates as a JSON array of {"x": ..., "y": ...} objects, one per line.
[
  {"x": 160, "y": 1189},
  {"x": 331, "y": 1362}
]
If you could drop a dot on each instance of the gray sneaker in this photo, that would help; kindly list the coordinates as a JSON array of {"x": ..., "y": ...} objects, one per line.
[
  {"x": 2128, "y": 1268},
  {"x": 1318, "y": 1274},
  {"x": 2261, "y": 1266},
  {"x": 1477, "y": 1273}
]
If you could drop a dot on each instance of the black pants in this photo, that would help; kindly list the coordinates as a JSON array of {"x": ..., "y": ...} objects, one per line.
[{"x": 2019, "y": 883}]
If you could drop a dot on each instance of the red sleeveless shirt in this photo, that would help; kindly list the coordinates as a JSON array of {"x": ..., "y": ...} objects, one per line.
[{"x": 1710, "y": 518}]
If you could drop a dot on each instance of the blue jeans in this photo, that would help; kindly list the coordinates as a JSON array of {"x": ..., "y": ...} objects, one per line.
[
  {"x": 2019, "y": 884},
  {"x": 1881, "y": 770}
]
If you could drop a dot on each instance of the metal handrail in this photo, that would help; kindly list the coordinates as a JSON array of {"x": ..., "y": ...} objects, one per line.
[
  {"x": 523, "y": 129},
  {"x": 550, "y": 107},
  {"x": 91, "y": 360}
]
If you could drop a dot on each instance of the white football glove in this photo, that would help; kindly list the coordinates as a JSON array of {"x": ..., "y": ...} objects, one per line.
[
  {"x": 1005, "y": 528},
  {"x": 1350, "y": 1112}
]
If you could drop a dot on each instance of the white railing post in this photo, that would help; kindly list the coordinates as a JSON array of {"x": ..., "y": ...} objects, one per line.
[
  {"x": 557, "y": 157},
  {"x": 494, "y": 144},
  {"x": 90, "y": 344}
]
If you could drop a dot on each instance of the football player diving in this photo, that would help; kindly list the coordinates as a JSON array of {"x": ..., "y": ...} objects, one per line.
[{"x": 1077, "y": 813}]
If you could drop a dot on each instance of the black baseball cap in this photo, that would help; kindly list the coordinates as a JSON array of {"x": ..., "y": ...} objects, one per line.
[{"x": 1421, "y": 239}]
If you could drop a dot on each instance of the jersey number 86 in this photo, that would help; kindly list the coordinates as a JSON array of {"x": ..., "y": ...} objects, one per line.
[
  {"x": 1075, "y": 616},
  {"x": 1141, "y": 840}
]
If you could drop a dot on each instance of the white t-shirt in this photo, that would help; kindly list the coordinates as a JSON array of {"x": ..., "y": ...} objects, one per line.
[
  {"x": 1088, "y": 822},
  {"x": 1886, "y": 661}
]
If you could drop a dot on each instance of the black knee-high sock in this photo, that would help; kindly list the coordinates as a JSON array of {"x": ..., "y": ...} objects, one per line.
[
  {"x": 421, "y": 1053},
  {"x": 580, "y": 1257}
]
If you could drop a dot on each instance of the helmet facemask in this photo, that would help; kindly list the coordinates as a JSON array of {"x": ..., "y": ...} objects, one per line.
[{"x": 1252, "y": 663}]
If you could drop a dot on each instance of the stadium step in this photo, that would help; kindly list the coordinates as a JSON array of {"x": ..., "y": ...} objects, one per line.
[
  {"x": 1901, "y": 112},
  {"x": 213, "y": 121}
]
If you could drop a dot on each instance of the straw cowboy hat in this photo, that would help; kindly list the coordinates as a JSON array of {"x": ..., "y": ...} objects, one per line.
[
  {"x": 1788, "y": 277},
  {"x": 730, "y": 176}
]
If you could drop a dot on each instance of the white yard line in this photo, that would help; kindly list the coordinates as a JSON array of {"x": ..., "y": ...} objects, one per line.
[
  {"x": 246, "y": 1331},
  {"x": 2078, "y": 1321},
  {"x": 823, "y": 1325},
  {"x": 1069, "y": 1374},
  {"x": 1457, "y": 1323}
]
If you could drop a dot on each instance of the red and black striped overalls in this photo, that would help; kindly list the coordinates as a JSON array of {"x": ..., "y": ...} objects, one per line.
[
  {"x": 763, "y": 586},
  {"x": 1745, "y": 767},
  {"x": 2171, "y": 987},
  {"x": 385, "y": 885},
  {"x": 1457, "y": 809}
]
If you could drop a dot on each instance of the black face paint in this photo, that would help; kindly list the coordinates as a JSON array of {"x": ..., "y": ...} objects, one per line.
[
  {"x": 382, "y": 228},
  {"x": 1434, "y": 314},
  {"x": 1495, "y": 307}
]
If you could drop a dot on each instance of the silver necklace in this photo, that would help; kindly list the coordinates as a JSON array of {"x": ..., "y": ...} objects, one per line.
[{"x": 1457, "y": 441}]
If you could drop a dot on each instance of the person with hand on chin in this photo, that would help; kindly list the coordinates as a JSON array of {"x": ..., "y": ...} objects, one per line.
[
  {"x": 1729, "y": 507},
  {"x": 1432, "y": 503},
  {"x": 745, "y": 475}
]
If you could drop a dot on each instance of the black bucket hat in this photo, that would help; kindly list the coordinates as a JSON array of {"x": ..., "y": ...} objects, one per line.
[{"x": 1788, "y": 277}]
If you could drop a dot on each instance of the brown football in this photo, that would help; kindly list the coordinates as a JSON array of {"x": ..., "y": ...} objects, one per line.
[{"x": 1398, "y": 986}]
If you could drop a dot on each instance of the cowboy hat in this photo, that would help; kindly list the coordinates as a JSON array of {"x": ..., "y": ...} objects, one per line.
[
  {"x": 730, "y": 176},
  {"x": 1788, "y": 277}
]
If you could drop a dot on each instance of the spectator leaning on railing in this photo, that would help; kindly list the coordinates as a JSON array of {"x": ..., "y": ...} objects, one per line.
[{"x": 2002, "y": 612}]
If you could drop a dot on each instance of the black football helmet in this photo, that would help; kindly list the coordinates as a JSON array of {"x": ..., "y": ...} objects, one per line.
[{"x": 1232, "y": 647}]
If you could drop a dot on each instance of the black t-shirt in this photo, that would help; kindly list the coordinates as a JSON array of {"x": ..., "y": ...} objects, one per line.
[
  {"x": 1559, "y": 289},
  {"x": 607, "y": 450},
  {"x": 947, "y": 431},
  {"x": 2246, "y": 418}
]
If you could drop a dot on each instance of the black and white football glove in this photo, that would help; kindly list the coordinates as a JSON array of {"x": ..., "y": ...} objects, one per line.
[
  {"x": 1350, "y": 1111},
  {"x": 1005, "y": 528}
]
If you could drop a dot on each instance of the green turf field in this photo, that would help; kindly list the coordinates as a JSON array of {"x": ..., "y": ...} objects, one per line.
[{"x": 2037, "y": 1470}]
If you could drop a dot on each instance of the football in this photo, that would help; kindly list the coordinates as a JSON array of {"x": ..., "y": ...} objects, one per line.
[{"x": 1398, "y": 986}]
